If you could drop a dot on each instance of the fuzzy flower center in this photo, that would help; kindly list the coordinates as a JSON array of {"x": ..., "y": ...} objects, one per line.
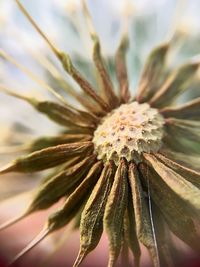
[{"x": 128, "y": 131}]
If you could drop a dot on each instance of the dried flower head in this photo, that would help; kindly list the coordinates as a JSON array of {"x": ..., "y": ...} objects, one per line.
[{"x": 125, "y": 165}]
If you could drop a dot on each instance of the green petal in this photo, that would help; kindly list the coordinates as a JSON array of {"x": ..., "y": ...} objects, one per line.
[
  {"x": 189, "y": 110},
  {"x": 115, "y": 210},
  {"x": 91, "y": 226},
  {"x": 172, "y": 208},
  {"x": 142, "y": 215},
  {"x": 183, "y": 188},
  {"x": 153, "y": 73},
  {"x": 47, "y": 158},
  {"x": 74, "y": 202},
  {"x": 60, "y": 185},
  {"x": 177, "y": 82}
]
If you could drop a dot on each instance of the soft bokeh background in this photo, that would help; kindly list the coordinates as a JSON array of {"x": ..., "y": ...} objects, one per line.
[{"x": 151, "y": 22}]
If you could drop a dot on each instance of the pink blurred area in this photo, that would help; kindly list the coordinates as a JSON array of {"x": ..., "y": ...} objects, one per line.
[{"x": 16, "y": 237}]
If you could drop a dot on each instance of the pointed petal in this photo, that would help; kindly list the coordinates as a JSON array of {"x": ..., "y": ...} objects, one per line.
[
  {"x": 47, "y": 158},
  {"x": 107, "y": 86},
  {"x": 31, "y": 245},
  {"x": 75, "y": 200},
  {"x": 142, "y": 216},
  {"x": 182, "y": 136},
  {"x": 121, "y": 69},
  {"x": 183, "y": 188},
  {"x": 91, "y": 226},
  {"x": 192, "y": 162},
  {"x": 177, "y": 82},
  {"x": 189, "y": 174},
  {"x": 172, "y": 208},
  {"x": 131, "y": 232},
  {"x": 108, "y": 89},
  {"x": 153, "y": 73},
  {"x": 48, "y": 141},
  {"x": 83, "y": 83},
  {"x": 165, "y": 246},
  {"x": 189, "y": 110},
  {"x": 60, "y": 185},
  {"x": 115, "y": 210},
  {"x": 66, "y": 62},
  {"x": 62, "y": 115}
]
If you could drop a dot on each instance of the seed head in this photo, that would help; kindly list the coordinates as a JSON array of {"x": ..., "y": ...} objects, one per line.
[{"x": 129, "y": 131}]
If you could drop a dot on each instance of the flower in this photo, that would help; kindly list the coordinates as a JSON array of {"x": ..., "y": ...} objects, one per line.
[{"x": 125, "y": 165}]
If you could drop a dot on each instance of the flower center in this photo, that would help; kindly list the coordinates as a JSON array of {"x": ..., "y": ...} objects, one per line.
[{"x": 128, "y": 131}]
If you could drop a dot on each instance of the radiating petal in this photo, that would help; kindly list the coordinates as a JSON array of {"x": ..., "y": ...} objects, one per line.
[
  {"x": 192, "y": 162},
  {"x": 142, "y": 215},
  {"x": 107, "y": 86},
  {"x": 47, "y": 157},
  {"x": 121, "y": 70},
  {"x": 131, "y": 232},
  {"x": 165, "y": 246},
  {"x": 48, "y": 141},
  {"x": 189, "y": 174},
  {"x": 60, "y": 185},
  {"x": 172, "y": 207},
  {"x": 153, "y": 73},
  {"x": 177, "y": 82},
  {"x": 189, "y": 110},
  {"x": 62, "y": 115},
  {"x": 182, "y": 136},
  {"x": 115, "y": 210},
  {"x": 183, "y": 188},
  {"x": 91, "y": 226},
  {"x": 74, "y": 202}
]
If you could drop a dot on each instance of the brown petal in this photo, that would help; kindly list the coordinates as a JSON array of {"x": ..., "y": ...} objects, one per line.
[
  {"x": 172, "y": 208},
  {"x": 91, "y": 226},
  {"x": 164, "y": 242},
  {"x": 66, "y": 62},
  {"x": 183, "y": 188},
  {"x": 70, "y": 209},
  {"x": 131, "y": 232},
  {"x": 47, "y": 158},
  {"x": 83, "y": 83},
  {"x": 189, "y": 110},
  {"x": 48, "y": 141},
  {"x": 107, "y": 86},
  {"x": 62, "y": 114},
  {"x": 115, "y": 210},
  {"x": 142, "y": 216},
  {"x": 182, "y": 136},
  {"x": 189, "y": 174},
  {"x": 189, "y": 161},
  {"x": 177, "y": 82},
  {"x": 121, "y": 69},
  {"x": 75, "y": 200},
  {"x": 153, "y": 73},
  {"x": 60, "y": 185}
]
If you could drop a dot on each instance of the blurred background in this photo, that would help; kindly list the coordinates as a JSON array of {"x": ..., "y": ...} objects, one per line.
[{"x": 150, "y": 23}]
